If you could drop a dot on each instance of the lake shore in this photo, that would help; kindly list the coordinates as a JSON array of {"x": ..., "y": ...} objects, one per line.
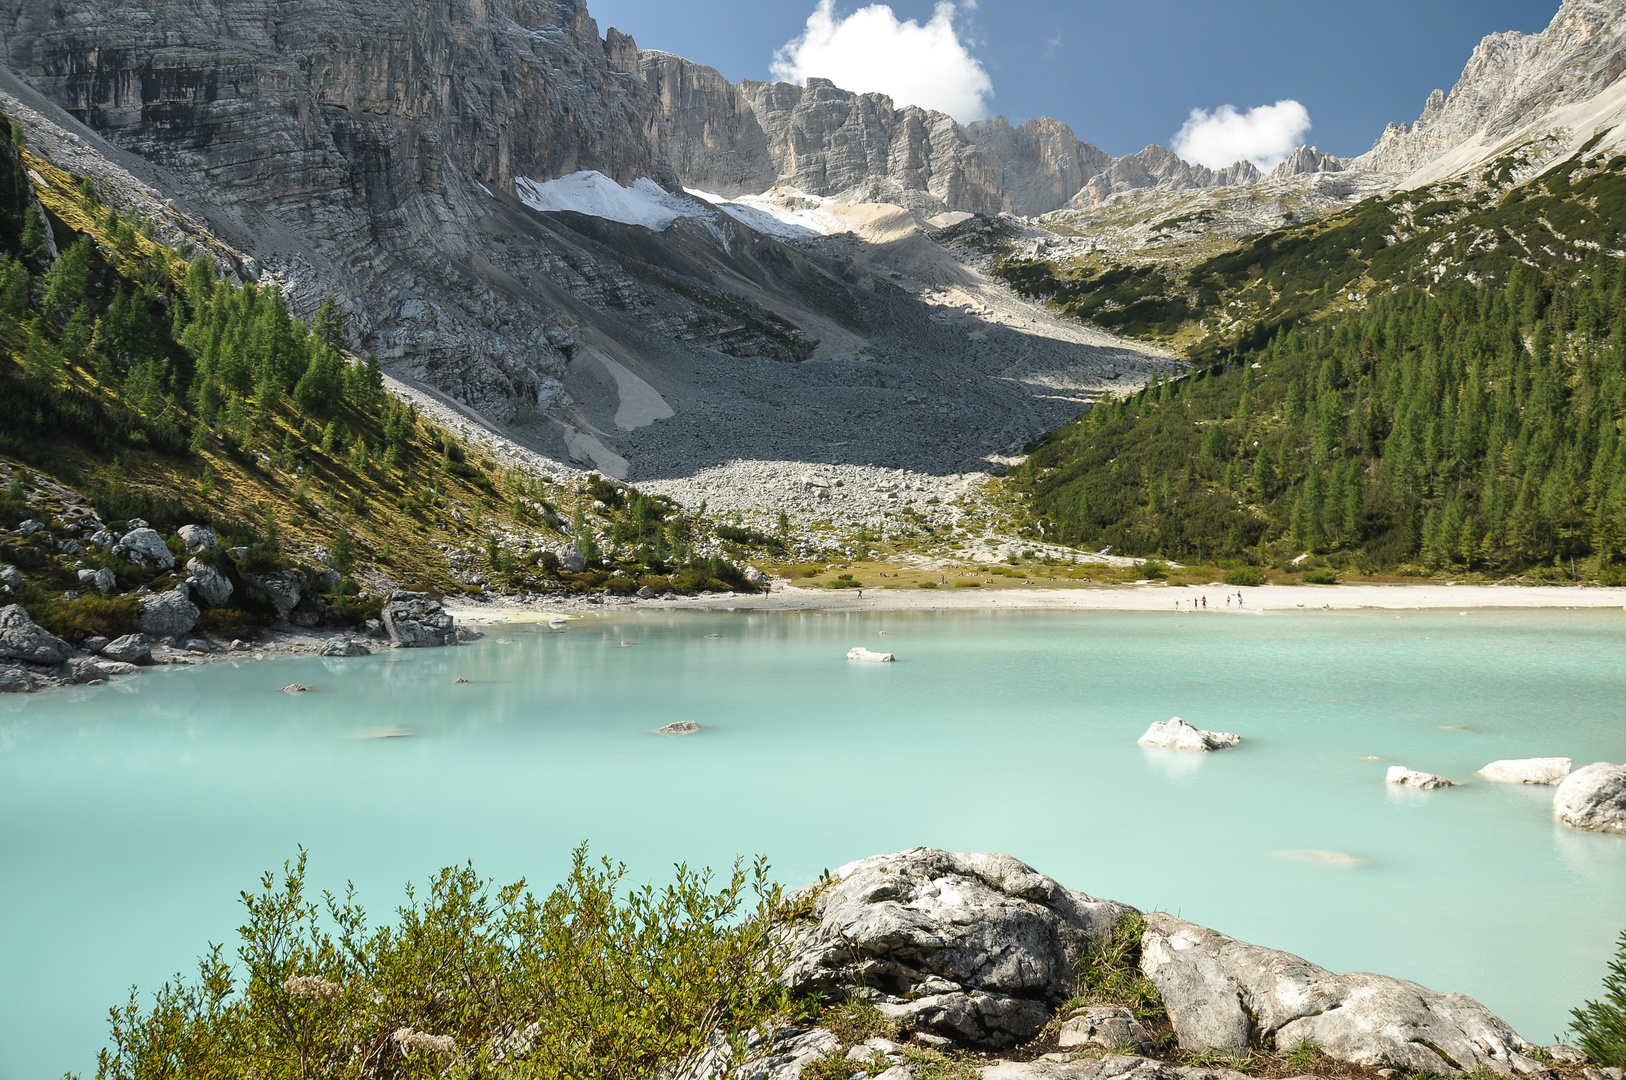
[{"x": 1154, "y": 597}]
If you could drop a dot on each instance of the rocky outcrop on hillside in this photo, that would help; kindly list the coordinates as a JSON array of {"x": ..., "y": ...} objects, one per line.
[{"x": 1511, "y": 81}]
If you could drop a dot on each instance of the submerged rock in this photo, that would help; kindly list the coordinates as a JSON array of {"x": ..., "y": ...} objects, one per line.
[
  {"x": 869, "y": 656},
  {"x": 1399, "y": 774},
  {"x": 681, "y": 727},
  {"x": 1535, "y": 770},
  {"x": 1593, "y": 798},
  {"x": 1228, "y": 995},
  {"x": 980, "y": 948},
  {"x": 23, "y": 639},
  {"x": 1176, "y": 734}
]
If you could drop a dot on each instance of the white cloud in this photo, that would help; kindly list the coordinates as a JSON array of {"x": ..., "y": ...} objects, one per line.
[
  {"x": 1264, "y": 136},
  {"x": 871, "y": 51}
]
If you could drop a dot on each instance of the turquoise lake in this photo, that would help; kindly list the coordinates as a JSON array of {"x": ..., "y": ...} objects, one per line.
[{"x": 132, "y": 814}]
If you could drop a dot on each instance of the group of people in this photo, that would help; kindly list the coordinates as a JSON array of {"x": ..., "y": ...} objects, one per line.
[{"x": 1201, "y": 603}]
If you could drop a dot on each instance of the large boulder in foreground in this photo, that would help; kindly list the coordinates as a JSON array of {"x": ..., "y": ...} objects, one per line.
[
  {"x": 1593, "y": 798},
  {"x": 979, "y": 948},
  {"x": 21, "y": 638},
  {"x": 170, "y": 613},
  {"x": 1228, "y": 995},
  {"x": 1176, "y": 734}
]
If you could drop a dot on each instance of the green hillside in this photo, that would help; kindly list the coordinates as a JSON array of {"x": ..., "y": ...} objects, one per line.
[
  {"x": 1462, "y": 414},
  {"x": 136, "y": 381}
]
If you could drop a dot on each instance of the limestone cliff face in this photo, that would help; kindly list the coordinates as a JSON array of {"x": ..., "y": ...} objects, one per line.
[
  {"x": 1041, "y": 163},
  {"x": 1511, "y": 80}
]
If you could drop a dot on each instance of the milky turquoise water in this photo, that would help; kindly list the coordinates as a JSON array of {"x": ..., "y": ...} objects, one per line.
[{"x": 131, "y": 814}]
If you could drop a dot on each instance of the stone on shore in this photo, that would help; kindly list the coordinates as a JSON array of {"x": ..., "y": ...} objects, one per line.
[
  {"x": 681, "y": 727},
  {"x": 861, "y": 653},
  {"x": 1399, "y": 774},
  {"x": 415, "y": 620},
  {"x": 1105, "y": 1026},
  {"x": 1176, "y": 734},
  {"x": 15, "y": 679},
  {"x": 21, "y": 638},
  {"x": 1593, "y": 798},
  {"x": 144, "y": 547},
  {"x": 343, "y": 646},
  {"x": 1107, "y": 1067},
  {"x": 977, "y": 947},
  {"x": 1228, "y": 995},
  {"x": 572, "y": 559},
  {"x": 1535, "y": 770},
  {"x": 198, "y": 538},
  {"x": 213, "y": 588},
  {"x": 169, "y": 614},
  {"x": 129, "y": 649}
]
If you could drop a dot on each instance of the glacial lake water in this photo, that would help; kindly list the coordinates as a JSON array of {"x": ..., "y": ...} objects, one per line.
[{"x": 132, "y": 814}]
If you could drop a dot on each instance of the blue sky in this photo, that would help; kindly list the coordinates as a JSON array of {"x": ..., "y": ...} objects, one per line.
[{"x": 1128, "y": 73}]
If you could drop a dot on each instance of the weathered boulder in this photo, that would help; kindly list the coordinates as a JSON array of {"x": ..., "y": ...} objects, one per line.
[
  {"x": 1535, "y": 770},
  {"x": 343, "y": 646},
  {"x": 15, "y": 679},
  {"x": 1399, "y": 774},
  {"x": 415, "y": 620},
  {"x": 144, "y": 547},
  {"x": 755, "y": 577},
  {"x": 130, "y": 649},
  {"x": 198, "y": 538},
  {"x": 283, "y": 589},
  {"x": 211, "y": 586},
  {"x": 1176, "y": 734},
  {"x": 869, "y": 656},
  {"x": 572, "y": 559},
  {"x": 1593, "y": 798},
  {"x": 1229, "y": 995},
  {"x": 103, "y": 580},
  {"x": 10, "y": 576},
  {"x": 979, "y": 947},
  {"x": 1105, "y": 1026},
  {"x": 169, "y": 613},
  {"x": 23, "y": 639},
  {"x": 645, "y": 593},
  {"x": 680, "y": 727}
]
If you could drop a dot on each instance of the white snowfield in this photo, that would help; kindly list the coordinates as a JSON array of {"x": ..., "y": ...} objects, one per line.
[{"x": 783, "y": 214}]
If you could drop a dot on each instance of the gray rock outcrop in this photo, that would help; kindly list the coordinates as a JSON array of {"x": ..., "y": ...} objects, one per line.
[
  {"x": 1229, "y": 995},
  {"x": 23, "y": 639},
  {"x": 170, "y": 613},
  {"x": 1593, "y": 798},
  {"x": 977, "y": 947},
  {"x": 198, "y": 539},
  {"x": 144, "y": 547},
  {"x": 1176, "y": 734},
  {"x": 283, "y": 589},
  {"x": 416, "y": 620},
  {"x": 1109, "y": 1067},
  {"x": 129, "y": 649},
  {"x": 1107, "y": 1027},
  {"x": 344, "y": 646},
  {"x": 1540, "y": 770},
  {"x": 211, "y": 586},
  {"x": 571, "y": 559},
  {"x": 10, "y": 576}
]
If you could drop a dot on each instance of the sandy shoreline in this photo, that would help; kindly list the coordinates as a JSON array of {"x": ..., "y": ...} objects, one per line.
[{"x": 1159, "y": 597}]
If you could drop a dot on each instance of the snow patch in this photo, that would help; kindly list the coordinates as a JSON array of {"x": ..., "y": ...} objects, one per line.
[
  {"x": 784, "y": 214},
  {"x": 592, "y": 193}
]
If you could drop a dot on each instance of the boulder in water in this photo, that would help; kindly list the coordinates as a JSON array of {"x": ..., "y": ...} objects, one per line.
[
  {"x": 1534, "y": 770},
  {"x": 1176, "y": 734},
  {"x": 869, "y": 656},
  {"x": 415, "y": 620},
  {"x": 1399, "y": 774},
  {"x": 343, "y": 646},
  {"x": 681, "y": 727},
  {"x": 1593, "y": 798}
]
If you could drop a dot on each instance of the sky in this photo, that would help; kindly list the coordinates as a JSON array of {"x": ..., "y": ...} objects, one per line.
[{"x": 1216, "y": 80}]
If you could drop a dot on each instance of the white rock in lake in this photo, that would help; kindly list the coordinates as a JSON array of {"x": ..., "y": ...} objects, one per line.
[
  {"x": 681, "y": 727},
  {"x": 1533, "y": 770},
  {"x": 1176, "y": 734},
  {"x": 1593, "y": 798},
  {"x": 861, "y": 653},
  {"x": 1399, "y": 774}
]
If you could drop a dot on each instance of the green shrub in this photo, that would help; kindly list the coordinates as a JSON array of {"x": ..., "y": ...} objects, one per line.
[
  {"x": 968, "y": 584},
  {"x": 928, "y": 584},
  {"x": 1244, "y": 575},
  {"x": 1320, "y": 577},
  {"x": 75, "y": 620},
  {"x": 1151, "y": 569},
  {"x": 228, "y": 622},
  {"x": 622, "y": 586},
  {"x": 844, "y": 581},
  {"x": 589, "y": 982},
  {"x": 1600, "y": 1026}
]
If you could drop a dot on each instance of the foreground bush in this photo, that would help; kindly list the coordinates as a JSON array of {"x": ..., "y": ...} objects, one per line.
[
  {"x": 1600, "y": 1026},
  {"x": 470, "y": 982},
  {"x": 1244, "y": 575}
]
